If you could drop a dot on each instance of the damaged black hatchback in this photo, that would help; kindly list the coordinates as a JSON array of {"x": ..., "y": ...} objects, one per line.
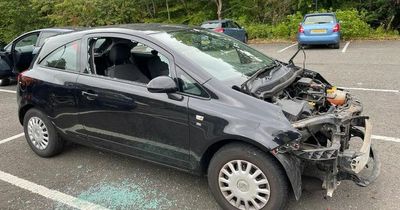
[{"x": 201, "y": 102}]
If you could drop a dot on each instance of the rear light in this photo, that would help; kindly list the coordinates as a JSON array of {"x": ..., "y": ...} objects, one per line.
[
  {"x": 24, "y": 81},
  {"x": 336, "y": 28},
  {"x": 301, "y": 29},
  {"x": 219, "y": 30},
  {"x": 21, "y": 74}
]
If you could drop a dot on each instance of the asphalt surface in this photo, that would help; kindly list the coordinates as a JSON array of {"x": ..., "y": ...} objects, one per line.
[{"x": 119, "y": 182}]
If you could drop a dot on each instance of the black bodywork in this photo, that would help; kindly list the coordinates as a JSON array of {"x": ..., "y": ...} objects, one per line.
[
  {"x": 17, "y": 56},
  {"x": 184, "y": 131}
]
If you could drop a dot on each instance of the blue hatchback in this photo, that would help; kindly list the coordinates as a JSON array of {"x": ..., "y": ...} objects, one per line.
[{"x": 319, "y": 28}]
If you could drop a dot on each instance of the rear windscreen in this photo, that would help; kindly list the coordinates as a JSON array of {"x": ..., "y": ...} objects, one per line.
[
  {"x": 210, "y": 25},
  {"x": 319, "y": 19}
]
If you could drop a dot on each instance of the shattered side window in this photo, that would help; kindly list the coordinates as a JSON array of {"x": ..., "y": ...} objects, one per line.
[{"x": 65, "y": 57}]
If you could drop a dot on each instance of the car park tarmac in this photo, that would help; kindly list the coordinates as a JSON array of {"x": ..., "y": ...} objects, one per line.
[{"x": 370, "y": 69}]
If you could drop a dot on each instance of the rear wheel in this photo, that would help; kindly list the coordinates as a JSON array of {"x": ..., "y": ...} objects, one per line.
[
  {"x": 241, "y": 176},
  {"x": 4, "y": 81},
  {"x": 41, "y": 135}
]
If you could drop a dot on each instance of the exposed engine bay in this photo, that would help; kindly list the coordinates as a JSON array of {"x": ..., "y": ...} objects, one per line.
[
  {"x": 307, "y": 97},
  {"x": 336, "y": 139}
]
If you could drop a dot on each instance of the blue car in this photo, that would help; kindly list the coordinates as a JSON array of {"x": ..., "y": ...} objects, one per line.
[
  {"x": 319, "y": 29},
  {"x": 228, "y": 27}
]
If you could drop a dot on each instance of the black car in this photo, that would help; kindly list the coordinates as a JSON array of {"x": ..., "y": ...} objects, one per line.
[
  {"x": 198, "y": 101},
  {"x": 18, "y": 54}
]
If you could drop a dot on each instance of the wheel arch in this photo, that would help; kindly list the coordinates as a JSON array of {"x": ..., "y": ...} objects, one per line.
[
  {"x": 289, "y": 164},
  {"x": 22, "y": 111}
]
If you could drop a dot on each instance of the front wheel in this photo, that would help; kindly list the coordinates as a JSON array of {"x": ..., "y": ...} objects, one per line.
[{"x": 241, "y": 176}]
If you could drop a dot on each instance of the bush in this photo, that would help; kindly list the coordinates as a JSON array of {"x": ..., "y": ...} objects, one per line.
[
  {"x": 283, "y": 30},
  {"x": 353, "y": 24}
]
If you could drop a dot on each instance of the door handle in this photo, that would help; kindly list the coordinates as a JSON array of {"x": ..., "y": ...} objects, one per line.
[{"x": 89, "y": 96}]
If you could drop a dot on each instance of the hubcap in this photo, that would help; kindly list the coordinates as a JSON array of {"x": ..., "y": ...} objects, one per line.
[
  {"x": 244, "y": 185},
  {"x": 38, "y": 133}
]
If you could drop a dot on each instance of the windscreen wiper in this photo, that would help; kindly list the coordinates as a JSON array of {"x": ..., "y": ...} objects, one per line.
[{"x": 271, "y": 66}]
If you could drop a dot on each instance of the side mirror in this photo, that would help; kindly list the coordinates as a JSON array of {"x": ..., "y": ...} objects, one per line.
[{"x": 162, "y": 84}]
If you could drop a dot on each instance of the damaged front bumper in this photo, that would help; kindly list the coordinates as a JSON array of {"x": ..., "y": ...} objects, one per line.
[{"x": 328, "y": 144}]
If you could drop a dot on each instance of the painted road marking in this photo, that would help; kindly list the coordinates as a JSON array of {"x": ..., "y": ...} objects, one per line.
[
  {"x": 11, "y": 138},
  {"x": 372, "y": 89},
  {"x": 287, "y": 47},
  {"x": 48, "y": 193},
  {"x": 345, "y": 47},
  {"x": 386, "y": 138},
  {"x": 8, "y": 91}
]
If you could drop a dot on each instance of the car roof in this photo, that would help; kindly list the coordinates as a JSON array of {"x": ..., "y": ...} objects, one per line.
[
  {"x": 317, "y": 14},
  {"x": 134, "y": 29},
  {"x": 64, "y": 29}
]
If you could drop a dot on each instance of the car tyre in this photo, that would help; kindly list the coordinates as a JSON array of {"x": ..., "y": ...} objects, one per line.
[
  {"x": 336, "y": 46},
  {"x": 246, "y": 39},
  {"x": 41, "y": 134},
  {"x": 234, "y": 186},
  {"x": 4, "y": 82},
  {"x": 299, "y": 46}
]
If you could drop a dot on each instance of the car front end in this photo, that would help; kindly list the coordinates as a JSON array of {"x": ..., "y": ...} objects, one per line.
[
  {"x": 296, "y": 115},
  {"x": 335, "y": 141}
]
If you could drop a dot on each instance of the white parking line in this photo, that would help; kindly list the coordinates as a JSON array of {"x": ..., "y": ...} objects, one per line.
[
  {"x": 48, "y": 193},
  {"x": 345, "y": 47},
  {"x": 11, "y": 138},
  {"x": 287, "y": 47},
  {"x": 386, "y": 138},
  {"x": 371, "y": 89},
  {"x": 8, "y": 91}
]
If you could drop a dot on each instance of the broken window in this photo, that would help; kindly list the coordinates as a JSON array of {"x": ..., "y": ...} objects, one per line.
[{"x": 126, "y": 60}]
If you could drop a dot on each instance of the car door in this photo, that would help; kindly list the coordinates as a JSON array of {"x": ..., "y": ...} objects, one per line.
[
  {"x": 21, "y": 51},
  {"x": 123, "y": 116},
  {"x": 234, "y": 31},
  {"x": 240, "y": 32},
  {"x": 5, "y": 68},
  {"x": 228, "y": 30},
  {"x": 5, "y": 62}
]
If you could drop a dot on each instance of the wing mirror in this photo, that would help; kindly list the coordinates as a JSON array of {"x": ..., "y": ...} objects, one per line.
[{"x": 162, "y": 84}]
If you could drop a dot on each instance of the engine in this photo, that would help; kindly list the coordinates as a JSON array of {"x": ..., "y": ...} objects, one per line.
[{"x": 307, "y": 97}]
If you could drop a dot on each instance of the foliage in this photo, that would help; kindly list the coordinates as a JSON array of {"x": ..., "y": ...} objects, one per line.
[{"x": 262, "y": 18}]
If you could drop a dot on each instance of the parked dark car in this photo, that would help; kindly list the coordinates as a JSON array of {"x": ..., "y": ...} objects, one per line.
[
  {"x": 319, "y": 29},
  {"x": 228, "y": 27},
  {"x": 198, "y": 101},
  {"x": 18, "y": 54}
]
